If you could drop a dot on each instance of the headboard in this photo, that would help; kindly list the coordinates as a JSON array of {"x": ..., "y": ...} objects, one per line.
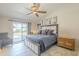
[{"x": 51, "y": 26}]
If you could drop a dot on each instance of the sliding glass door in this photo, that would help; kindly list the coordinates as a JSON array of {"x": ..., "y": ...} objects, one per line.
[{"x": 19, "y": 31}]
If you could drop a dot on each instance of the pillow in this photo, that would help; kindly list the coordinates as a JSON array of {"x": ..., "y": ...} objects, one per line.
[
  {"x": 44, "y": 32},
  {"x": 40, "y": 32},
  {"x": 50, "y": 32}
]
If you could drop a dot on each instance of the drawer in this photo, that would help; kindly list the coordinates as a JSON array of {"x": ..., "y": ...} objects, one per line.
[
  {"x": 61, "y": 40},
  {"x": 71, "y": 41},
  {"x": 70, "y": 45},
  {"x": 60, "y": 43}
]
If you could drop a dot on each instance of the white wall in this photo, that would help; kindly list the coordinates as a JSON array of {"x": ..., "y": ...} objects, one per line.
[
  {"x": 68, "y": 20},
  {"x": 34, "y": 27},
  {"x": 5, "y": 25}
]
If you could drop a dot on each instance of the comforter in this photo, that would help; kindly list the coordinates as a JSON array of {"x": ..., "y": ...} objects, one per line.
[{"x": 44, "y": 40}]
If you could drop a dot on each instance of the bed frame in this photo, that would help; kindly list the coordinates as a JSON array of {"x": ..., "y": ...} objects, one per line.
[{"x": 35, "y": 47}]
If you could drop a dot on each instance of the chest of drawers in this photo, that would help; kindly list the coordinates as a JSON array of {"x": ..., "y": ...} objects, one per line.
[{"x": 66, "y": 42}]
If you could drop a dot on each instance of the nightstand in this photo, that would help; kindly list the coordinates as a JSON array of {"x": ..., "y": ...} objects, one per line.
[{"x": 66, "y": 42}]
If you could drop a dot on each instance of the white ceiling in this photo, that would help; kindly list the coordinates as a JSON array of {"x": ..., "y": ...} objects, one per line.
[{"x": 18, "y": 10}]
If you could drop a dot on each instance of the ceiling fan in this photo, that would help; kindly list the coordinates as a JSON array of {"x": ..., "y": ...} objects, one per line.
[{"x": 35, "y": 9}]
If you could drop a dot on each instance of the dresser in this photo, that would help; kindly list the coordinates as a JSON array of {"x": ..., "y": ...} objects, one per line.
[{"x": 66, "y": 42}]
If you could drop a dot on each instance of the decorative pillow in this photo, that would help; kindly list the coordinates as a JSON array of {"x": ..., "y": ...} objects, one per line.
[
  {"x": 40, "y": 32},
  {"x": 44, "y": 32},
  {"x": 50, "y": 32}
]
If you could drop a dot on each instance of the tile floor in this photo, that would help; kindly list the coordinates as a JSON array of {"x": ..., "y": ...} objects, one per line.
[{"x": 21, "y": 50}]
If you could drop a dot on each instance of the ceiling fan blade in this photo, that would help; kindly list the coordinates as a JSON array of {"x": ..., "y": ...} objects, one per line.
[
  {"x": 36, "y": 14},
  {"x": 29, "y": 13},
  {"x": 28, "y": 9},
  {"x": 41, "y": 11}
]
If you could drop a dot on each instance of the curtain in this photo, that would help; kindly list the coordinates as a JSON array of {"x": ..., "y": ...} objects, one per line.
[{"x": 29, "y": 27}]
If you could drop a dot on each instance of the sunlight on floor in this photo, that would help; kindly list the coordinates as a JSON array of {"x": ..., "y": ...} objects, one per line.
[{"x": 21, "y": 50}]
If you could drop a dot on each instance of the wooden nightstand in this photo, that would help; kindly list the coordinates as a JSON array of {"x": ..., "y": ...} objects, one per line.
[{"x": 66, "y": 42}]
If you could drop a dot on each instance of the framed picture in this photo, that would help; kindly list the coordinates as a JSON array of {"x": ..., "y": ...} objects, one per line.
[
  {"x": 50, "y": 20},
  {"x": 47, "y": 21},
  {"x": 54, "y": 20},
  {"x": 41, "y": 22}
]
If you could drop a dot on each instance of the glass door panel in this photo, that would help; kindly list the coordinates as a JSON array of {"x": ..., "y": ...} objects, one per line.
[
  {"x": 19, "y": 31},
  {"x": 24, "y": 31}
]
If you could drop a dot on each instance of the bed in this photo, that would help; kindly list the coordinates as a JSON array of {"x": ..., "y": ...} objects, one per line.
[{"x": 40, "y": 43}]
